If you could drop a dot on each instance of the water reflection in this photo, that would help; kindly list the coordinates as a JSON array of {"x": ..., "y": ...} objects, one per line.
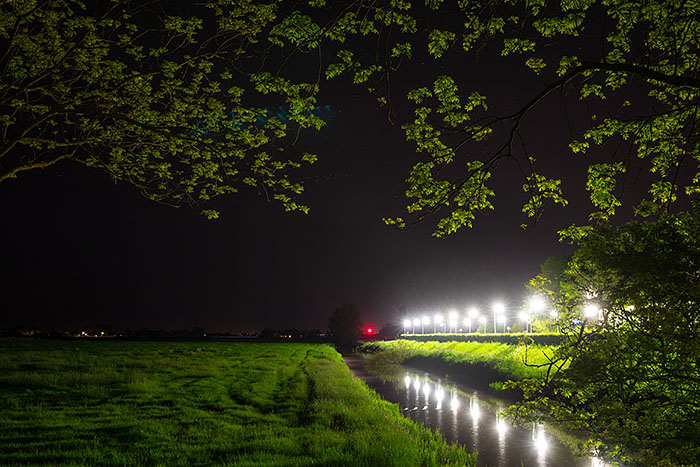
[
  {"x": 464, "y": 416},
  {"x": 539, "y": 440}
]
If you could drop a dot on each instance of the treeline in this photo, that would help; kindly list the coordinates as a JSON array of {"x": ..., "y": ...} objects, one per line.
[
  {"x": 107, "y": 332},
  {"x": 293, "y": 333}
]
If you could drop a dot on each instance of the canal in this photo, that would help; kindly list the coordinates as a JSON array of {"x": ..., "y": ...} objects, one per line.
[{"x": 471, "y": 418}]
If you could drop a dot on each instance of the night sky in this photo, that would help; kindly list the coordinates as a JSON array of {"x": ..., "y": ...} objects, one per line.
[{"x": 80, "y": 250}]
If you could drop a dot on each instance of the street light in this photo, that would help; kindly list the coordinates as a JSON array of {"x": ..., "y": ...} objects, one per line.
[
  {"x": 426, "y": 321},
  {"x": 416, "y": 323},
  {"x": 502, "y": 319},
  {"x": 473, "y": 314},
  {"x": 437, "y": 320},
  {"x": 591, "y": 311},
  {"x": 498, "y": 309},
  {"x": 453, "y": 320},
  {"x": 468, "y": 323},
  {"x": 406, "y": 324},
  {"x": 525, "y": 316},
  {"x": 536, "y": 304}
]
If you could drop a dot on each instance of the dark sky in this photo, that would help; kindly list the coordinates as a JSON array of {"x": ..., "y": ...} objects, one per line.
[{"x": 80, "y": 250}]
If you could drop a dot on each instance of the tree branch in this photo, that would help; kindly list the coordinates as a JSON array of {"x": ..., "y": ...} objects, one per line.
[
  {"x": 685, "y": 81},
  {"x": 36, "y": 165}
]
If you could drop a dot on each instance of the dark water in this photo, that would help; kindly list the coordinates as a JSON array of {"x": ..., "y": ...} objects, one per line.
[{"x": 465, "y": 416}]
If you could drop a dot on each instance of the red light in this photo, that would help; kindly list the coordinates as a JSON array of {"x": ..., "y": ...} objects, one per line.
[{"x": 370, "y": 330}]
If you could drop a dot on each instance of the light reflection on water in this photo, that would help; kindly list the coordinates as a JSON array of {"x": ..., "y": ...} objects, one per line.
[{"x": 466, "y": 417}]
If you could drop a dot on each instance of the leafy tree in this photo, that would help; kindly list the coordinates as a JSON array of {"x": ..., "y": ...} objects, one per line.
[
  {"x": 165, "y": 96},
  {"x": 171, "y": 96},
  {"x": 547, "y": 285},
  {"x": 629, "y": 368},
  {"x": 552, "y": 271},
  {"x": 633, "y": 66},
  {"x": 344, "y": 326},
  {"x": 517, "y": 327}
]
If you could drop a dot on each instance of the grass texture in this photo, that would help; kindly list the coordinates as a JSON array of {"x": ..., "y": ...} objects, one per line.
[
  {"x": 512, "y": 361},
  {"x": 163, "y": 403}
]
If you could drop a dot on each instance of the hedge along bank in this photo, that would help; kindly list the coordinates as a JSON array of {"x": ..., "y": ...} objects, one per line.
[{"x": 544, "y": 339}]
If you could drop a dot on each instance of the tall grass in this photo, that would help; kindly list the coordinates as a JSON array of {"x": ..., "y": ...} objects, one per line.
[
  {"x": 243, "y": 404},
  {"x": 512, "y": 361}
]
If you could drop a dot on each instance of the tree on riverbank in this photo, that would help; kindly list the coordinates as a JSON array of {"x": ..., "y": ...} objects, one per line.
[
  {"x": 628, "y": 369},
  {"x": 344, "y": 326}
]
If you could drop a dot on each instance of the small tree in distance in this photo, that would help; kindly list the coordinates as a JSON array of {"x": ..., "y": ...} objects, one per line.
[{"x": 344, "y": 326}]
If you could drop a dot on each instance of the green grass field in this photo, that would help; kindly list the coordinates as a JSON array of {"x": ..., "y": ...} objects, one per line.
[
  {"x": 509, "y": 360},
  {"x": 147, "y": 403}
]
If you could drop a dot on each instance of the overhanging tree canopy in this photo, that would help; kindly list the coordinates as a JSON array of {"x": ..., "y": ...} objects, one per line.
[
  {"x": 635, "y": 67},
  {"x": 123, "y": 85},
  {"x": 157, "y": 94}
]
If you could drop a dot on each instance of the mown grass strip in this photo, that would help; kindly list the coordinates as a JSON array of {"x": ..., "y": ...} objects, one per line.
[
  {"x": 244, "y": 404},
  {"x": 512, "y": 361}
]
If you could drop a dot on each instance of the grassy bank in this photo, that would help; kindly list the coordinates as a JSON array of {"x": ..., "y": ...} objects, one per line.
[
  {"x": 135, "y": 403},
  {"x": 540, "y": 338},
  {"x": 508, "y": 360}
]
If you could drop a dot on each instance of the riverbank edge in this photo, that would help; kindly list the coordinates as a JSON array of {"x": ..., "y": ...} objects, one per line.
[{"x": 478, "y": 375}]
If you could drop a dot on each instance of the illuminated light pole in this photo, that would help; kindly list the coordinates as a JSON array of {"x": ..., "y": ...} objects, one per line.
[
  {"x": 473, "y": 314},
  {"x": 416, "y": 323},
  {"x": 426, "y": 321},
  {"x": 536, "y": 305},
  {"x": 453, "y": 320},
  {"x": 406, "y": 325},
  {"x": 502, "y": 319},
  {"x": 468, "y": 323},
  {"x": 437, "y": 319},
  {"x": 498, "y": 309},
  {"x": 525, "y": 316}
]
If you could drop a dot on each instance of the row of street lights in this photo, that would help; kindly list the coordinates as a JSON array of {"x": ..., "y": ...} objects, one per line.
[{"x": 473, "y": 316}]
